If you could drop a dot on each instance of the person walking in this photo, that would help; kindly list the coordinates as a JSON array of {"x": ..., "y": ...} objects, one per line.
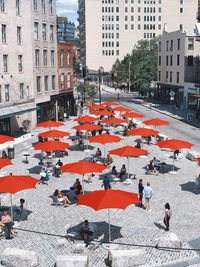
[
  {"x": 148, "y": 193},
  {"x": 140, "y": 191},
  {"x": 168, "y": 214}
]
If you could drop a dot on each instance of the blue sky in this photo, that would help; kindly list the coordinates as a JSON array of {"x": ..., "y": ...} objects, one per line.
[{"x": 67, "y": 8}]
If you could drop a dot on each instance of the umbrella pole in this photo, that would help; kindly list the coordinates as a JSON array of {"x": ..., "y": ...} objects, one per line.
[
  {"x": 83, "y": 183},
  {"x": 128, "y": 166},
  {"x": 109, "y": 230},
  {"x": 104, "y": 153},
  {"x": 11, "y": 207},
  {"x": 173, "y": 162},
  {"x": 87, "y": 139}
]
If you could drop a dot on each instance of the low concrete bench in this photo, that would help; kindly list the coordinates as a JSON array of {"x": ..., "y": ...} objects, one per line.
[{"x": 72, "y": 261}]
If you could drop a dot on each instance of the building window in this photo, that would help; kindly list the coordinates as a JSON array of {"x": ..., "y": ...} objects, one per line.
[
  {"x": 19, "y": 39},
  {"x": 126, "y": 9},
  {"x": 159, "y": 60},
  {"x": 178, "y": 60},
  {"x": 61, "y": 58},
  {"x": 35, "y": 5},
  {"x": 45, "y": 57},
  {"x": 190, "y": 61},
  {"x": 51, "y": 32},
  {"x": 126, "y": 18},
  {"x": 167, "y": 46},
  {"x": 167, "y": 60},
  {"x": 17, "y": 8},
  {"x": 139, "y": 9},
  {"x": 177, "y": 77},
  {"x": 6, "y": 92},
  {"x": 21, "y": 91},
  {"x": 68, "y": 57},
  {"x": 126, "y": 27},
  {"x": 166, "y": 76},
  {"x": 62, "y": 80},
  {"x": 43, "y": 5},
  {"x": 5, "y": 63},
  {"x": 2, "y": 5},
  {"x": 46, "y": 83},
  {"x": 171, "y": 60},
  {"x": 52, "y": 58},
  {"x": 190, "y": 44},
  {"x": 170, "y": 76},
  {"x": 171, "y": 45},
  {"x": 3, "y": 33},
  {"x": 44, "y": 31},
  {"x": 37, "y": 57},
  {"x": 0, "y": 94},
  {"x": 50, "y": 7},
  {"x": 139, "y": 27},
  {"x": 117, "y": 52},
  {"x": 181, "y": 10},
  {"x": 178, "y": 44},
  {"x": 132, "y": 27},
  {"x": 53, "y": 78},
  {"x": 159, "y": 73},
  {"x": 20, "y": 63},
  {"x": 38, "y": 84},
  {"x": 159, "y": 46},
  {"x": 69, "y": 80},
  {"x": 36, "y": 30}
]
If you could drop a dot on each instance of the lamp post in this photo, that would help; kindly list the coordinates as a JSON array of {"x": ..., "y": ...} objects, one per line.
[
  {"x": 101, "y": 70},
  {"x": 129, "y": 75}
]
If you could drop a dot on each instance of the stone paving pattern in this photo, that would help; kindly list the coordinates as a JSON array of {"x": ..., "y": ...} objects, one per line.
[{"x": 131, "y": 226}]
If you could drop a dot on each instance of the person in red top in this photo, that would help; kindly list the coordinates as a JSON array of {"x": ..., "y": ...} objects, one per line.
[{"x": 59, "y": 195}]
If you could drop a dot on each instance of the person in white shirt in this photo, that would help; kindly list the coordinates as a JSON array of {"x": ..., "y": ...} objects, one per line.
[
  {"x": 148, "y": 193},
  {"x": 88, "y": 230},
  {"x": 168, "y": 214}
]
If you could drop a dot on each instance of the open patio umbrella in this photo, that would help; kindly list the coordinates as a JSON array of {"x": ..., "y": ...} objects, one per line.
[
  {"x": 156, "y": 122},
  {"x": 198, "y": 160},
  {"x": 54, "y": 134},
  {"x": 15, "y": 183},
  {"x": 103, "y": 113},
  {"x": 51, "y": 146},
  {"x": 104, "y": 139},
  {"x": 132, "y": 115},
  {"x": 114, "y": 121},
  {"x": 49, "y": 124},
  {"x": 5, "y": 162},
  {"x": 108, "y": 199},
  {"x": 121, "y": 109},
  {"x": 110, "y": 104},
  {"x": 97, "y": 107},
  {"x": 143, "y": 132},
  {"x": 82, "y": 168},
  {"x": 128, "y": 151},
  {"x": 85, "y": 119},
  {"x": 5, "y": 138},
  {"x": 174, "y": 144}
]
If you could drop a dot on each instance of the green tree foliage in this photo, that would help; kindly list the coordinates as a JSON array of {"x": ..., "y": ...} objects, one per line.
[
  {"x": 86, "y": 91},
  {"x": 76, "y": 65},
  {"x": 143, "y": 66}
]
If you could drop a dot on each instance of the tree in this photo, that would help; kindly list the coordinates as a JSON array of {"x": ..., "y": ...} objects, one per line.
[
  {"x": 76, "y": 65},
  {"x": 86, "y": 90}
]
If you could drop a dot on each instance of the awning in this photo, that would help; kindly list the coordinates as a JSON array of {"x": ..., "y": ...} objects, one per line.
[
  {"x": 197, "y": 96},
  {"x": 8, "y": 112}
]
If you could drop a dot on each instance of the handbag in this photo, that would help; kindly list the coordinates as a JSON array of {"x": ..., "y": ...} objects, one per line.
[{"x": 43, "y": 174}]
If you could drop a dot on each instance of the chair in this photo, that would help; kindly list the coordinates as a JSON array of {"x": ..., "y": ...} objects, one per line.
[{"x": 57, "y": 201}]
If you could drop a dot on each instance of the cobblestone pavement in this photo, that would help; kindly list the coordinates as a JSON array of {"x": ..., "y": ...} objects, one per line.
[{"x": 133, "y": 226}]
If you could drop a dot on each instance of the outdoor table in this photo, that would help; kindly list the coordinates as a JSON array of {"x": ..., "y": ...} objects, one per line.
[
  {"x": 109, "y": 246},
  {"x": 26, "y": 155}
]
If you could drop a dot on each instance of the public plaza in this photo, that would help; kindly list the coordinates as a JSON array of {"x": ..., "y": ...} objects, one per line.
[{"x": 43, "y": 226}]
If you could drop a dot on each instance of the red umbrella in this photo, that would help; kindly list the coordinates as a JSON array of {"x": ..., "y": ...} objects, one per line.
[
  {"x": 108, "y": 199},
  {"x": 5, "y": 138},
  {"x": 174, "y": 144},
  {"x": 156, "y": 122},
  {"x": 49, "y": 124},
  {"x": 128, "y": 151},
  {"x": 103, "y": 113},
  {"x": 132, "y": 115},
  {"x": 114, "y": 121},
  {"x": 13, "y": 184},
  {"x": 5, "y": 162},
  {"x": 51, "y": 146},
  {"x": 87, "y": 127},
  {"x": 110, "y": 104},
  {"x": 54, "y": 134},
  {"x": 86, "y": 119},
  {"x": 96, "y": 107},
  {"x": 198, "y": 159},
  {"x": 121, "y": 109},
  {"x": 83, "y": 167},
  {"x": 143, "y": 132}
]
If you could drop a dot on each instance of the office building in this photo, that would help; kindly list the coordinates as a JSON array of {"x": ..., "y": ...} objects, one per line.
[{"x": 65, "y": 29}]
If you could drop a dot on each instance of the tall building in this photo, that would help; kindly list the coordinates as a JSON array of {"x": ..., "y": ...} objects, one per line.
[
  {"x": 65, "y": 29},
  {"x": 179, "y": 68},
  {"x": 109, "y": 29}
]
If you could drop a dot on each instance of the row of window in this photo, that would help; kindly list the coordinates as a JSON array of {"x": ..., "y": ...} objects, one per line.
[
  {"x": 6, "y": 92},
  {"x": 110, "y": 44},
  {"x": 170, "y": 45},
  {"x": 149, "y": 35},
  {"x": 5, "y": 63},
  {"x": 169, "y": 60},
  {"x": 35, "y": 6},
  {"x": 110, "y": 35},
  {"x": 45, "y": 58},
  {"x": 169, "y": 76},
  {"x": 46, "y": 83},
  {"x": 62, "y": 78},
  {"x": 4, "y": 36},
  {"x": 62, "y": 58},
  {"x": 146, "y": 18},
  {"x": 110, "y": 52},
  {"x": 132, "y": 1},
  {"x": 44, "y": 31}
]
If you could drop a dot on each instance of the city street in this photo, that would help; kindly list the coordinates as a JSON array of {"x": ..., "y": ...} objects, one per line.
[{"x": 130, "y": 227}]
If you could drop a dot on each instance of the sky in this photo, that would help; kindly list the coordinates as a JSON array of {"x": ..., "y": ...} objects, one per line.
[{"x": 67, "y": 8}]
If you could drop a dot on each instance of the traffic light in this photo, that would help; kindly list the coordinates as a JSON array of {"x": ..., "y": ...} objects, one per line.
[{"x": 115, "y": 74}]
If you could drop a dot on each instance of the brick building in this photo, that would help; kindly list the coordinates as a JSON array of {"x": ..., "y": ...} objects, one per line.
[{"x": 65, "y": 78}]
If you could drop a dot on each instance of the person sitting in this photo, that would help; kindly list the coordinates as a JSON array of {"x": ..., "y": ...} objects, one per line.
[
  {"x": 125, "y": 131},
  {"x": 109, "y": 160},
  {"x": 107, "y": 132},
  {"x": 6, "y": 220},
  {"x": 60, "y": 196},
  {"x": 75, "y": 184},
  {"x": 176, "y": 153},
  {"x": 4, "y": 155},
  {"x": 148, "y": 139},
  {"x": 78, "y": 189},
  {"x": 98, "y": 153},
  {"x": 138, "y": 145},
  {"x": 106, "y": 183},
  {"x": 87, "y": 229},
  {"x": 122, "y": 172},
  {"x": 81, "y": 143},
  {"x": 58, "y": 170},
  {"x": 114, "y": 171},
  {"x": 93, "y": 132},
  {"x": 156, "y": 164},
  {"x": 151, "y": 166},
  {"x": 20, "y": 210}
]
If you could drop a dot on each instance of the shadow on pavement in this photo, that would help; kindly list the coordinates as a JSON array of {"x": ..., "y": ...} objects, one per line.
[
  {"x": 160, "y": 226},
  {"x": 190, "y": 187}
]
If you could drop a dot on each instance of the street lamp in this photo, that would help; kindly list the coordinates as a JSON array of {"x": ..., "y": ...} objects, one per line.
[{"x": 101, "y": 70}]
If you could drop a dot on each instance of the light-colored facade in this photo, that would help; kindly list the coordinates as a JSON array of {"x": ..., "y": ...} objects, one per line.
[
  {"x": 109, "y": 29},
  {"x": 179, "y": 67}
]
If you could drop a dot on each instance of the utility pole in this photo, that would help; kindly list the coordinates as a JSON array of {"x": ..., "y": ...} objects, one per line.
[
  {"x": 129, "y": 75},
  {"x": 101, "y": 70}
]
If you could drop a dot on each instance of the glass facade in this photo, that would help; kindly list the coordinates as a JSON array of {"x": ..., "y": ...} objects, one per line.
[{"x": 65, "y": 30}]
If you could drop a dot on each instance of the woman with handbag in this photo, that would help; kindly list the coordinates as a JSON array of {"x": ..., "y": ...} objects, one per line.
[
  {"x": 168, "y": 214},
  {"x": 44, "y": 177}
]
